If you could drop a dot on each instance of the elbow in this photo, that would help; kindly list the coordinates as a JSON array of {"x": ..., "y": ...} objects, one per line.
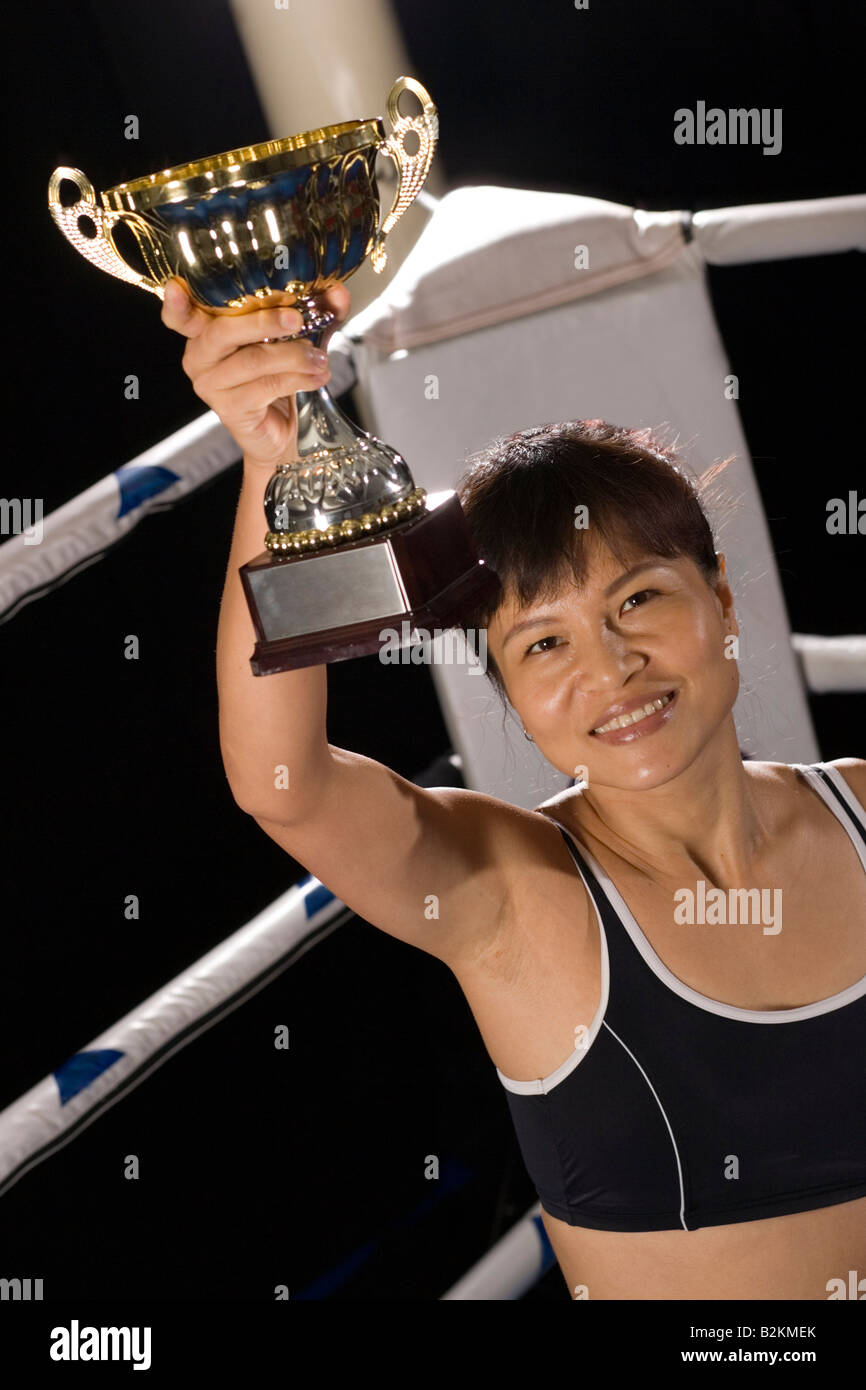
[
  {"x": 243, "y": 800},
  {"x": 249, "y": 797},
  {"x": 278, "y": 804}
]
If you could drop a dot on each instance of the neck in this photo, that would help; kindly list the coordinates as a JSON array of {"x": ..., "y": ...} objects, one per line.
[{"x": 707, "y": 820}]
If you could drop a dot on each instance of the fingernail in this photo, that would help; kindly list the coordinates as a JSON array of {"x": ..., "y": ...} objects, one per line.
[
  {"x": 319, "y": 357},
  {"x": 290, "y": 318}
]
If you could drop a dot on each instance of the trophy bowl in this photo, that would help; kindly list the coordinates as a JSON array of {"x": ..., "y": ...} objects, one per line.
[
  {"x": 263, "y": 225},
  {"x": 276, "y": 224},
  {"x": 269, "y": 225}
]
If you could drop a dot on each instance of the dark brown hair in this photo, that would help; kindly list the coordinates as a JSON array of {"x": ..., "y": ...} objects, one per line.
[{"x": 520, "y": 494}]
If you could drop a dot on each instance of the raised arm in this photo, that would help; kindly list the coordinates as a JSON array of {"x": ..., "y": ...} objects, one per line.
[{"x": 426, "y": 866}]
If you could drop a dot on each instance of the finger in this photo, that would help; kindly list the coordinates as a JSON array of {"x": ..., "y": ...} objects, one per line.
[
  {"x": 270, "y": 437},
  {"x": 223, "y": 334},
  {"x": 242, "y": 402},
  {"x": 179, "y": 312},
  {"x": 256, "y": 360},
  {"x": 338, "y": 300}
]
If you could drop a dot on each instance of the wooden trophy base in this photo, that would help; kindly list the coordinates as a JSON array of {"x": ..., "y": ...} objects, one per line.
[{"x": 310, "y": 610}]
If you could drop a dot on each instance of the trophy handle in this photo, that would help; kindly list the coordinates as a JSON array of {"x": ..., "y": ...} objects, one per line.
[
  {"x": 412, "y": 169},
  {"x": 100, "y": 249}
]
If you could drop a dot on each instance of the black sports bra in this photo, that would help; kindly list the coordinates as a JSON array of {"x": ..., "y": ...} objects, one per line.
[{"x": 676, "y": 1111}]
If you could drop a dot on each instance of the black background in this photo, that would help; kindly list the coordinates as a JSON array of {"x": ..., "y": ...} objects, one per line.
[{"x": 262, "y": 1167}]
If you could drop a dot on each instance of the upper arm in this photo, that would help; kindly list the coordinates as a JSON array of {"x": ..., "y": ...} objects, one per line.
[{"x": 426, "y": 865}]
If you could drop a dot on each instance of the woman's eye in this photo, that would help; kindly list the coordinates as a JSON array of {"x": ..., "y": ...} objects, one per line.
[
  {"x": 540, "y": 643},
  {"x": 642, "y": 593}
]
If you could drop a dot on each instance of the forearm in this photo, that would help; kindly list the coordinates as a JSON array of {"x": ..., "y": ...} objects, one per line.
[{"x": 266, "y": 723}]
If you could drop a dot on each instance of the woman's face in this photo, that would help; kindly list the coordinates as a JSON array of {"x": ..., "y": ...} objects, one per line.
[{"x": 575, "y": 663}]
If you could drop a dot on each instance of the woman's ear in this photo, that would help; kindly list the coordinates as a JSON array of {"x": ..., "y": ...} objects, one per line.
[{"x": 725, "y": 595}]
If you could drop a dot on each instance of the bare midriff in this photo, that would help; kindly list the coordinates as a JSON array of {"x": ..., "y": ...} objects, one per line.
[{"x": 783, "y": 1257}]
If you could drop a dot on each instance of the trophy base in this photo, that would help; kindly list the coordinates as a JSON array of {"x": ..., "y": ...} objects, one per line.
[{"x": 311, "y": 610}]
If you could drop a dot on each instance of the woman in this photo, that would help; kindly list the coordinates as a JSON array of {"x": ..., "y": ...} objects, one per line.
[{"x": 689, "y": 1093}]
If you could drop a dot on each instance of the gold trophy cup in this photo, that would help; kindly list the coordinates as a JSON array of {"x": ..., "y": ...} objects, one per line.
[{"x": 352, "y": 544}]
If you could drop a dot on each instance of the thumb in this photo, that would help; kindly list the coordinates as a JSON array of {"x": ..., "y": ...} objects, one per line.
[
  {"x": 273, "y": 438},
  {"x": 178, "y": 310}
]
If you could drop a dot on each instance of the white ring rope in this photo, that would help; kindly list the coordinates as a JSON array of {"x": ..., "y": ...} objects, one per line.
[
  {"x": 78, "y": 534},
  {"x": 831, "y": 663},
  {"x": 56, "y": 1109},
  {"x": 511, "y": 1267},
  {"x": 40, "y": 556}
]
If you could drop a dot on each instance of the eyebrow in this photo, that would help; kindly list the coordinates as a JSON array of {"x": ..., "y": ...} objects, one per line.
[{"x": 541, "y": 618}]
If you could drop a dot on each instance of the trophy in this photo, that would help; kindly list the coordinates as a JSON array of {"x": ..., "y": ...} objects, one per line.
[{"x": 352, "y": 545}]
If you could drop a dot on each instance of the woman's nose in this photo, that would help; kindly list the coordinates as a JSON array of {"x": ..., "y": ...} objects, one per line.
[{"x": 606, "y": 662}]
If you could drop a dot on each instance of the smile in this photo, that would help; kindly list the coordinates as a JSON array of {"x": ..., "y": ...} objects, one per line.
[{"x": 638, "y": 721}]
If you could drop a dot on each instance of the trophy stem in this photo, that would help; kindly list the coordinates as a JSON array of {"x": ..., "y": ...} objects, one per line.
[
  {"x": 340, "y": 474},
  {"x": 317, "y": 320}
]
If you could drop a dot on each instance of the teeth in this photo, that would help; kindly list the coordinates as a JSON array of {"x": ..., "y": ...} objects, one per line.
[{"x": 623, "y": 720}]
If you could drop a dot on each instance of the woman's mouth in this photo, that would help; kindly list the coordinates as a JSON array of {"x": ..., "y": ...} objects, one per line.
[{"x": 638, "y": 722}]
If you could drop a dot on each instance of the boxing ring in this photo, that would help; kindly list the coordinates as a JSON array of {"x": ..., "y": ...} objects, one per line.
[{"x": 502, "y": 330}]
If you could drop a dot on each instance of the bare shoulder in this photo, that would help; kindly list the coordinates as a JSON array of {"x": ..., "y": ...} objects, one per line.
[
  {"x": 854, "y": 772},
  {"x": 501, "y": 826},
  {"x": 542, "y": 883},
  {"x": 529, "y": 857},
  {"x": 853, "y": 769},
  {"x": 434, "y": 867},
  {"x": 520, "y": 843}
]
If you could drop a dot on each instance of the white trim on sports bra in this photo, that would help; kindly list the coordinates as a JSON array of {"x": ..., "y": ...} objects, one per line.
[
  {"x": 658, "y": 967},
  {"x": 715, "y": 1006},
  {"x": 546, "y": 1083}
]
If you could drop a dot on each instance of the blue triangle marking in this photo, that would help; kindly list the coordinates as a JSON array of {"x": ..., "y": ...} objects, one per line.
[
  {"x": 548, "y": 1259},
  {"x": 80, "y": 1070},
  {"x": 315, "y": 898},
  {"x": 139, "y": 481}
]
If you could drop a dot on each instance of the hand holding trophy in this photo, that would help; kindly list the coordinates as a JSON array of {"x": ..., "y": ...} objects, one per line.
[
  {"x": 352, "y": 544},
  {"x": 248, "y": 373}
]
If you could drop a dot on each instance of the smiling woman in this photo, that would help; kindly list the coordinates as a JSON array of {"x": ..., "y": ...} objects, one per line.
[
  {"x": 589, "y": 511},
  {"x": 705, "y": 1129},
  {"x": 698, "y": 1139},
  {"x": 538, "y": 504}
]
